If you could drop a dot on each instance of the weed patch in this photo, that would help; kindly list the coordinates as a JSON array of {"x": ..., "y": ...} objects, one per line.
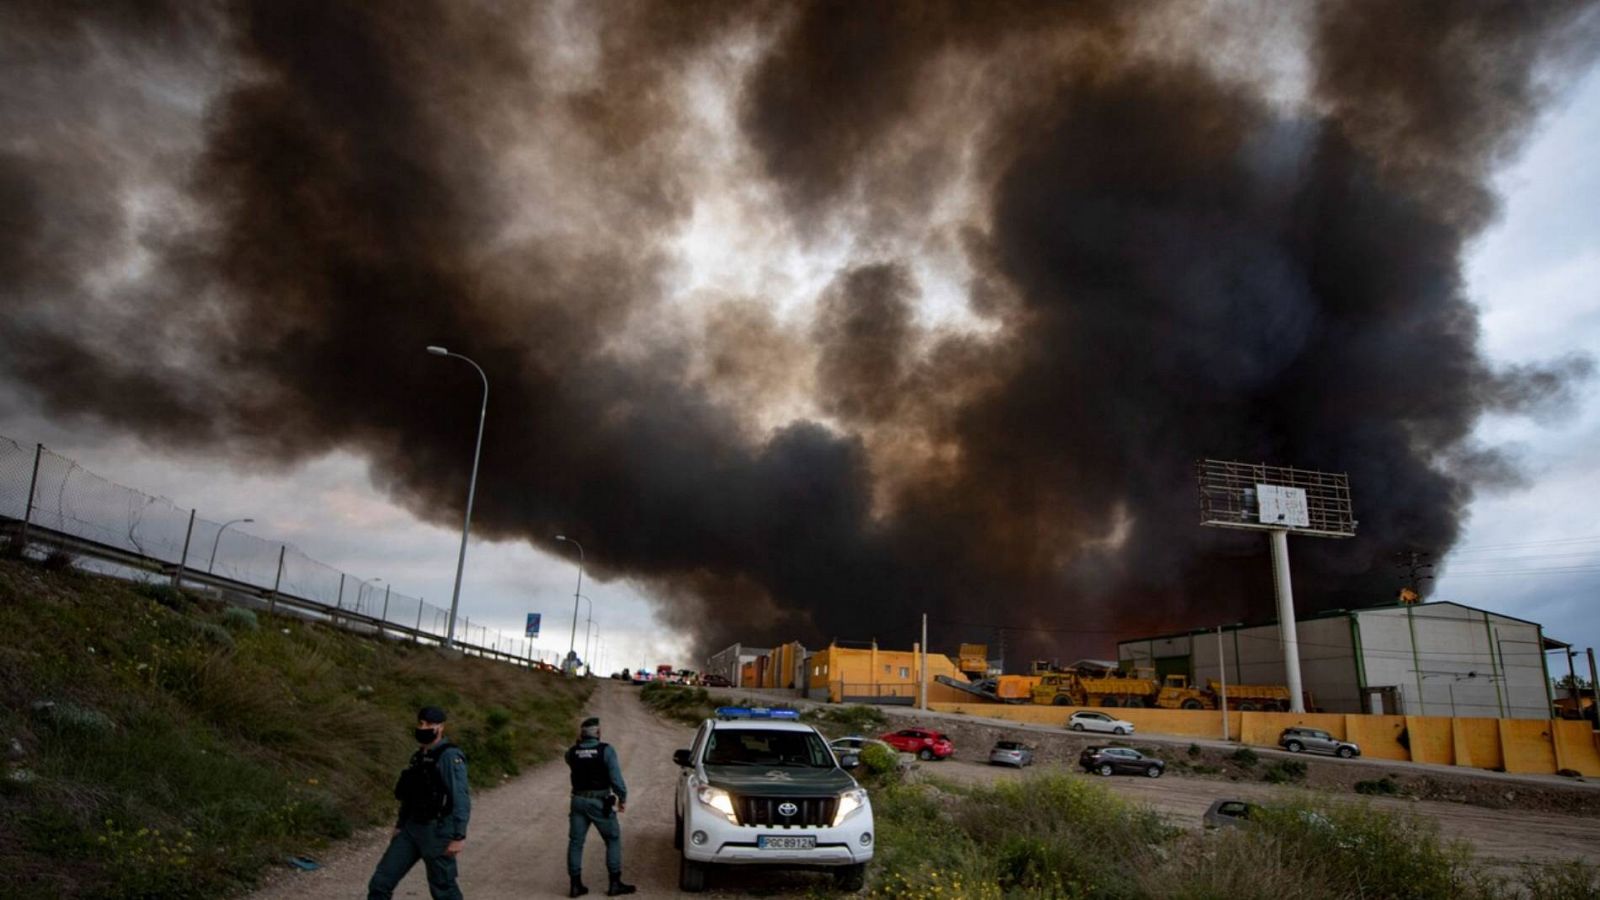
[
  {"x": 1385, "y": 786},
  {"x": 1244, "y": 758},
  {"x": 855, "y": 718},
  {"x": 1285, "y": 771}
]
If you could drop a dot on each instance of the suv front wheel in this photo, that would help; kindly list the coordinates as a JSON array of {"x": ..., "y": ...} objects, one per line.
[
  {"x": 850, "y": 879},
  {"x": 692, "y": 875},
  {"x": 1345, "y": 752},
  {"x": 1293, "y": 746},
  {"x": 1105, "y": 769}
]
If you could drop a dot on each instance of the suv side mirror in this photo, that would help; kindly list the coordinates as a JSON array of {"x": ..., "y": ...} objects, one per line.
[
  {"x": 681, "y": 757},
  {"x": 849, "y": 761}
]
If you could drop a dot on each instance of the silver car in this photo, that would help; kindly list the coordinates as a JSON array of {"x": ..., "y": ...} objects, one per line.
[
  {"x": 1011, "y": 753},
  {"x": 1316, "y": 740},
  {"x": 1088, "y": 720},
  {"x": 855, "y": 743}
]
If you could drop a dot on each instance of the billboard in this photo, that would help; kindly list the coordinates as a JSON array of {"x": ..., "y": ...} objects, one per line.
[{"x": 533, "y": 625}]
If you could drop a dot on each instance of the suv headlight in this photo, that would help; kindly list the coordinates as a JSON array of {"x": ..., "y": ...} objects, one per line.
[
  {"x": 719, "y": 800},
  {"x": 849, "y": 802}
]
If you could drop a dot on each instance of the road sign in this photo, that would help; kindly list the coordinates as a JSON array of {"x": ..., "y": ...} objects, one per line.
[{"x": 533, "y": 625}]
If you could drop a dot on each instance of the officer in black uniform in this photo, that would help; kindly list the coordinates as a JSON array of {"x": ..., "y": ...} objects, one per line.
[
  {"x": 598, "y": 794},
  {"x": 434, "y": 808}
]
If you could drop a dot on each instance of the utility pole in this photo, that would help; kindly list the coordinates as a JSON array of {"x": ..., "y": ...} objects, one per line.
[
  {"x": 1222, "y": 669},
  {"x": 1415, "y": 567},
  {"x": 922, "y": 667}
]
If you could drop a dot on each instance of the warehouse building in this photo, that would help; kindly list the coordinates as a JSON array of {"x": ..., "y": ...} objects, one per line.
[
  {"x": 730, "y": 664},
  {"x": 1430, "y": 659}
]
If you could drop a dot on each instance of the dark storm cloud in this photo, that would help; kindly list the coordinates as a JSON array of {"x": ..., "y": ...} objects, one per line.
[{"x": 1172, "y": 266}]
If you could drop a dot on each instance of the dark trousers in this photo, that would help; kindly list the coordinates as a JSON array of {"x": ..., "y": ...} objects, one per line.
[
  {"x": 425, "y": 841},
  {"x": 588, "y": 811}
]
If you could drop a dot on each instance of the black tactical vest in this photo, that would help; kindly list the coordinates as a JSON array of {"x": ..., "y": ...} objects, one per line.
[
  {"x": 588, "y": 765},
  {"x": 421, "y": 790}
]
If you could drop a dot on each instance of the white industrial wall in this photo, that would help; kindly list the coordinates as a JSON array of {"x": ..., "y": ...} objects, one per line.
[
  {"x": 1464, "y": 662},
  {"x": 1328, "y": 664},
  {"x": 1489, "y": 665}
]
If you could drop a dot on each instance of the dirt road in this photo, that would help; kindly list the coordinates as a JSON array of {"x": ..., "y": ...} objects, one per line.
[{"x": 517, "y": 843}]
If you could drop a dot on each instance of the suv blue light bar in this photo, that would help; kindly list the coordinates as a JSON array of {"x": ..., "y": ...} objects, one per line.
[{"x": 755, "y": 712}]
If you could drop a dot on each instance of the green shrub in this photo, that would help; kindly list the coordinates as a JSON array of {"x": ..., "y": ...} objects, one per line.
[
  {"x": 237, "y": 618},
  {"x": 882, "y": 763},
  {"x": 688, "y": 705},
  {"x": 1285, "y": 771},
  {"x": 1384, "y": 786},
  {"x": 1194, "y": 750},
  {"x": 1244, "y": 758},
  {"x": 855, "y": 718}
]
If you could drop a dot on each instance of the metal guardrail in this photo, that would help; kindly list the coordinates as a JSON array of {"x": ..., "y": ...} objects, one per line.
[{"x": 49, "y": 503}]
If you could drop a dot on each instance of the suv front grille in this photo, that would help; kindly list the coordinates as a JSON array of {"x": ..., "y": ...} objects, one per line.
[{"x": 810, "y": 812}]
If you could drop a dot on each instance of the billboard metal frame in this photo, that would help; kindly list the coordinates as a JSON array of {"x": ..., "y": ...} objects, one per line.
[{"x": 1228, "y": 497}]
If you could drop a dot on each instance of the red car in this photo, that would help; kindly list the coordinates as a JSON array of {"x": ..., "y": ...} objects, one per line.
[{"x": 924, "y": 743}]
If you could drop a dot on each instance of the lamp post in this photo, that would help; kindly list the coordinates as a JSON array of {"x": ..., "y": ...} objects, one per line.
[
  {"x": 572, "y": 639},
  {"x": 218, "y": 540},
  {"x": 472, "y": 490}
]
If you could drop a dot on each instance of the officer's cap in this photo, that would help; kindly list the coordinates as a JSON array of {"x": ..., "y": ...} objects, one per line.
[
  {"x": 590, "y": 722},
  {"x": 433, "y": 715}
]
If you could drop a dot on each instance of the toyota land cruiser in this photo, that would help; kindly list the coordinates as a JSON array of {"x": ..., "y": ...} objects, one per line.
[{"x": 759, "y": 788}]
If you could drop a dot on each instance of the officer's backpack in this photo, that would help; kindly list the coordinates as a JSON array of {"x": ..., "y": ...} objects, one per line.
[{"x": 421, "y": 790}]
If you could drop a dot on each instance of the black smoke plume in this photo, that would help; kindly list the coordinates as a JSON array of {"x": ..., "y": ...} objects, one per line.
[{"x": 232, "y": 227}]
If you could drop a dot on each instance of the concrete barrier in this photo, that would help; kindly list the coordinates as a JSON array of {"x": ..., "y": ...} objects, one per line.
[
  {"x": 1378, "y": 736},
  {"x": 1577, "y": 746},
  {"x": 1528, "y": 746},
  {"x": 1478, "y": 743}
]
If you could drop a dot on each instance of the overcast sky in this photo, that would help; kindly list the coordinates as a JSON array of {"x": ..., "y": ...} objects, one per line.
[{"x": 1531, "y": 549}]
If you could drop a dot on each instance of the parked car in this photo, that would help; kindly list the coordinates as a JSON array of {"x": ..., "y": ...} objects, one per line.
[
  {"x": 855, "y": 743},
  {"x": 1111, "y": 760},
  {"x": 1011, "y": 753},
  {"x": 715, "y": 681},
  {"x": 1228, "y": 813},
  {"x": 925, "y": 743},
  {"x": 1088, "y": 720},
  {"x": 1316, "y": 740}
]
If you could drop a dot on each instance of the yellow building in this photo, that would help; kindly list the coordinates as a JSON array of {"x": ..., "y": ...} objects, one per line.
[{"x": 872, "y": 675}]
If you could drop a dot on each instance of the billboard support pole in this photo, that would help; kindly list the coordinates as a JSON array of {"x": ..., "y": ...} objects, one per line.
[{"x": 1286, "y": 624}]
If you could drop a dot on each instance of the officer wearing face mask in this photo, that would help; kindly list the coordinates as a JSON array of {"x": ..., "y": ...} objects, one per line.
[{"x": 434, "y": 808}]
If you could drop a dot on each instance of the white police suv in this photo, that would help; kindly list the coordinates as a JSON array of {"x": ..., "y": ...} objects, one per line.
[{"x": 759, "y": 788}]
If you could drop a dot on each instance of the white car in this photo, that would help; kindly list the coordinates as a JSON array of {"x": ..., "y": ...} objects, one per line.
[
  {"x": 754, "y": 790},
  {"x": 1087, "y": 720}
]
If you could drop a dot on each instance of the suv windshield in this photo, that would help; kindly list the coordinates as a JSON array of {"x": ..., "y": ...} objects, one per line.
[{"x": 754, "y": 747}]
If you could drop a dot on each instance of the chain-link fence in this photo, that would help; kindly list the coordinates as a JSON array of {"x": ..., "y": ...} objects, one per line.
[{"x": 52, "y": 497}]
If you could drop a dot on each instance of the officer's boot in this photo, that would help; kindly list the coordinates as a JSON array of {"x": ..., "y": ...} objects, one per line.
[
  {"x": 578, "y": 890},
  {"x": 617, "y": 888}
]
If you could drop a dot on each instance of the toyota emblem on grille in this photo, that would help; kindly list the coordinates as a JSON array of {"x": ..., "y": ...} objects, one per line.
[{"x": 787, "y": 809}]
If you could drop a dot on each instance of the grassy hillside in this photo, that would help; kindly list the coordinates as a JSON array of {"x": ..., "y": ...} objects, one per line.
[{"x": 160, "y": 745}]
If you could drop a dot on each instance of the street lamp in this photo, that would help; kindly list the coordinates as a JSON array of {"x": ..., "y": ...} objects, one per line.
[
  {"x": 472, "y": 490},
  {"x": 218, "y": 540},
  {"x": 572, "y": 639}
]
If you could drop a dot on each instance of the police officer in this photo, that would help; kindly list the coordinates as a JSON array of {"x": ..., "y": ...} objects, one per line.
[
  {"x": 598, "y": 794},
  {"x": 434, "y": 808}
]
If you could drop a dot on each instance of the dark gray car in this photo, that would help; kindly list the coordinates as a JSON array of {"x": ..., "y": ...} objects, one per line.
[{"x": 1316, "y": 740}]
